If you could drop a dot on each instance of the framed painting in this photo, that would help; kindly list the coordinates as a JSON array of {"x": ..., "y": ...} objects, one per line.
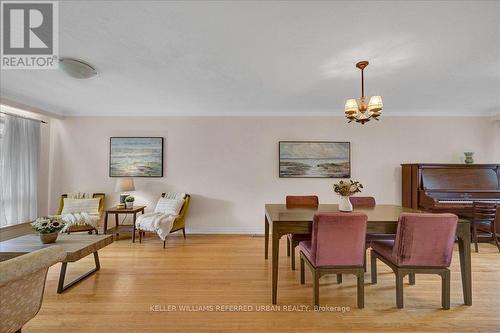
[
  {"x": 136, "y": 157},
  {"x": 314, "y": 159}
]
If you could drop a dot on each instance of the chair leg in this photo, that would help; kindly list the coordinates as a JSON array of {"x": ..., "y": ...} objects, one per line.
[
  {"x": 292, "y": 246},
  {"x": 495, "y": 237},
  {"x": 140, "y": 237},
  {"x": 411, "y": 277},
  {"x": 373, "y": 266},
  {"x": 494, "y": 234},
  {"x": 339, "y": 278},
  {"x": 164, "y": 243},
  {"x": 364, "y": 262},
  {"x": 315, "y": 274},
  {"x": 288, "y": 245},
  {"x": 361, "y": 290},
  {"x": 302, "y": 270},
  {"x": 474, "y": 236},
  {"x": 399, "y": 289},
  {"x": 445, "y": 289},
  {"x": 184, "y": 232}
]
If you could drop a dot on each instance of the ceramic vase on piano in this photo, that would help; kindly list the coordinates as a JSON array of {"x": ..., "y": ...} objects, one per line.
[{"x": 468, "y": 157}]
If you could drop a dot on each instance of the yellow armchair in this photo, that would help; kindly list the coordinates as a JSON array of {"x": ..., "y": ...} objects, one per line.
[
  {"x": 180, "y": 221},
  {"x": 77, "y": 228}
]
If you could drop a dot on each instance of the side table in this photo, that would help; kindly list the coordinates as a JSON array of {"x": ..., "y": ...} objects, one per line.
[{"x": 117, "y": 211}]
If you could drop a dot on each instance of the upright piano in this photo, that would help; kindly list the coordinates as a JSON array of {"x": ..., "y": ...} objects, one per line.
[{"x": 450, "y": 188}]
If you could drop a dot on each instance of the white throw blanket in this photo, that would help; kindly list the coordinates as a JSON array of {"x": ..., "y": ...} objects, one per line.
[
  {"x": 156, "y": 222},
  {"x": 80, "y": 219}
]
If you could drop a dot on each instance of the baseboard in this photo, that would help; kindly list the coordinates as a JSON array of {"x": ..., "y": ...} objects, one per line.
[{"x": 226, "y": 230}]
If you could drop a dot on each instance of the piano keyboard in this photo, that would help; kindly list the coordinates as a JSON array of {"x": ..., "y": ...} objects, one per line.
[{"x": 466, "y": 201}]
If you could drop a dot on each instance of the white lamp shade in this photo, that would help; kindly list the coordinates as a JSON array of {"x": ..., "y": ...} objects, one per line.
[
  {"x": 125, "y": 184},
  {"x": 351, "y": 106},
  {"x": 375, "y": 104}
]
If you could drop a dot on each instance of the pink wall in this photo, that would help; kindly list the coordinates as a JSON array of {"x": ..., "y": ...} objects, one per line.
[{"x": 230, "y": 164}]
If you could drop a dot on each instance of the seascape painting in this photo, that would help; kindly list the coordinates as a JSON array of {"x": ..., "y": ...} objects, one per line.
[
  {"x": 303, "y": 159},
  {"x": 136, "y": 157}
]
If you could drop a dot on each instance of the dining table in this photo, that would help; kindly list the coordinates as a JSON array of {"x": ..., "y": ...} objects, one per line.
[{"x": 281, "y": 220}]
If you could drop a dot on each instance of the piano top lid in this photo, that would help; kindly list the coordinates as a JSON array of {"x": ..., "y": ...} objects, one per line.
[
  {"x": 466, "y": 179},
  {"x": 454, "y": 165}
]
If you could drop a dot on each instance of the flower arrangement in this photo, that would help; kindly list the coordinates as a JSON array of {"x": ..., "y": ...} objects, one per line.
[
  {"x": 347, "y": 188},
  {"x": 48, "y": 224}
]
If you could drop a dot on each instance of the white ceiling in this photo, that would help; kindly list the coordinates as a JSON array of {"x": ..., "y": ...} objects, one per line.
[{"x": 270, "y": 58}]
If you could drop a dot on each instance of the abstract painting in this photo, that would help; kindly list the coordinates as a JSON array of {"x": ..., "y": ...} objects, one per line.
[
  {"x": 136, "y": 157},
  {"x": 314, "y": 159}
]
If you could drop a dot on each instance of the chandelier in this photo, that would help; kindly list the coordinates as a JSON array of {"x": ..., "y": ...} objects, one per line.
[{"x": 360, "y": 111}]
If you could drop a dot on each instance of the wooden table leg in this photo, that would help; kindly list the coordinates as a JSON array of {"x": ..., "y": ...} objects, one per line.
[
  {"x": 116, "y": 223},
  {"x": 463, "y": 234},
  {"x": 133, "y": 228},
  {"x": 266, "y": 237},
  {"x": 105, "y": 222},
  {"x": 276, "y": 249}
]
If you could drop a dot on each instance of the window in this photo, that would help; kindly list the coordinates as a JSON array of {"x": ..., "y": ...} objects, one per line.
[{"x": 19, "y": 137}]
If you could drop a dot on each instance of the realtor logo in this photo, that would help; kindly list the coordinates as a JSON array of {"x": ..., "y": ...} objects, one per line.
[{"x": 29, "y": 35}]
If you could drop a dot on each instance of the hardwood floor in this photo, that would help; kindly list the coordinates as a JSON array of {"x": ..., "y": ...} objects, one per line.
[{"x": 209, "y": 270}]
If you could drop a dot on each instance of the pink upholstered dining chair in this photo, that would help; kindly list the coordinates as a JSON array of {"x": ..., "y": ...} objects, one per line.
[
  {"x": 369, "y": 202},
  {"x": 423, "y": 245},
  {"x": 337, "y": 246},
  {"x": 359, "y": 202},
  {"x": 293, "y": 240}
]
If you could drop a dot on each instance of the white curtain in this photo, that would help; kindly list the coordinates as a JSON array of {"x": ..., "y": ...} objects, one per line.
[{"x": 19, "y": 155}]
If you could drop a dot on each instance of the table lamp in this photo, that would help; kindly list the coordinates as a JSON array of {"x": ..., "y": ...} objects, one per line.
[{"x": 124, "y": 185}]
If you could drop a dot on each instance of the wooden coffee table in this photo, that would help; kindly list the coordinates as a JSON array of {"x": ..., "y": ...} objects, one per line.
[{"x": 76, "y": 247}]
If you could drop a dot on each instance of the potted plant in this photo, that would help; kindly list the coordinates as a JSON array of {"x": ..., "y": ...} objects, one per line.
[
  {"x": 48, "y": 228},
  {"x": 345, "y": 189},
  {"x": 129, "y": 202}
]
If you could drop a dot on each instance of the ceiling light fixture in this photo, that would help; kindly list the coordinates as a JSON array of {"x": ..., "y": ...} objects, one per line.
[
  {"x": 77, "y": 68},
  {"x": 362, "y": 113}
]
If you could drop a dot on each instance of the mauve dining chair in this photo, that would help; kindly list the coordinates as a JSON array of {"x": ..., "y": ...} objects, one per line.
[
  {"x": 369, "y": 202},
  {"x": 359, "y": 202},
  {"x": 337, "y": 246},
  {"x": 293, "y": 240},
  {"x": 423, "y": 245}
]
